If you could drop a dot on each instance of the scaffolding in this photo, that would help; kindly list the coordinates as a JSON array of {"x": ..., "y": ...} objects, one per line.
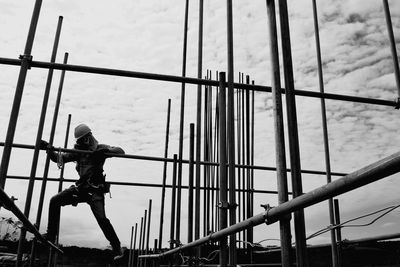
[{"x": 228, "y": 162}]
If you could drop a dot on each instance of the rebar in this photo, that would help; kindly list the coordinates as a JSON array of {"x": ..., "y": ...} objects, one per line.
[
  {"x": 173, "y": 206},
  {"x": 338, "y": 231},
  {"x": 164, "y": 180},
  {"x": 223, "y": 184},
  {"x": 325, "y": 130}
]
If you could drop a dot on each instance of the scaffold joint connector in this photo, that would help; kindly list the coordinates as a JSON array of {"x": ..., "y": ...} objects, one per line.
[
  {"x": 28, "y": 58},
  {"x": 397, "y": 103},
  {"x": 227, "y": 205},
  {"x": 6, "y": 206},
  {"x": 267, "y": 207}
]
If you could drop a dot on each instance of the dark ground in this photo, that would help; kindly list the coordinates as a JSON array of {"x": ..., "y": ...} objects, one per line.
[{"x": 382, "y": 254}]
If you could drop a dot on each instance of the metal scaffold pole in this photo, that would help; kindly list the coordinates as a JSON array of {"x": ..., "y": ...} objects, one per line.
[
  {"x": 299, "y": 221},
  {"x": 164, "y": 180},
  {"x": 47, "y": 163},
  {"x": 325, "y": 132},
  {"x": 376, "y": 171},
  {"x": 392, "y": 44},
  {"x": 231, "y": 135},
  {"x": 26, "y": 59},
  {"x": 284, "y": 223},
  {"x": 182, "y": 109},
  {"x": 198, "y": 130},
  {"x": 35, "y": 159},
  {"x": 173, "y": 204},
  {"x": 223, "y": 184},
  {"x": 191, "y": 179}
]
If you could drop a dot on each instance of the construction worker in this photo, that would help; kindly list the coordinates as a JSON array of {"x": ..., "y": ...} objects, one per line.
[{"x": 90, "y": 187}]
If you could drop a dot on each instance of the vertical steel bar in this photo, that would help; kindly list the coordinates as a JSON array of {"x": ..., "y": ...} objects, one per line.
[
  {"x": 51, "y": 140},
  {"x": 182, "y": 108},
  {"x": 210, "y": 168},
  {"x": 250, "y": 208},
  {"x": 134, "y": 247},
  {"x": 198, "y": 129},
  {"x": 140, "y": 242},
  {"x": 160, "y": 235},
  {"x": 241, "y": 234},
  {"x": 214, "y": 193},
  {"x": 217, "y": 145},
  {"x": 60, "y": 184},
  {"x": 130, "y": 249},
  {"x": 155, "y": 246},
  {"x": 392, "y": 44},
  {"x": 338, "y": 234},
  {"x": 223, "y": 185},
  {"x": 208, "y": 152},
  {"x": 283, "y": 196},
  {"x": 47, "y": 163},
  {"x": 325, "y": 131},
  {"x": 191, "y": 178},
  {"x": 148, "y": 227},
  {"x": 299, "y": 224},
  {"x": 178, "y": 211},
  {"x": 173, "y": 204},
  {"x": 252, "y": 153},
  {"x": 231, "y": 135},
  {"x": 206, "y": 159},
  {"x": 243, "y": 170},
  {"x": 25, "y": 65},
  {"x": 37, "y": 146},
  {"x": 144, "y": 238},
  {"x": 190, "y": 190}
]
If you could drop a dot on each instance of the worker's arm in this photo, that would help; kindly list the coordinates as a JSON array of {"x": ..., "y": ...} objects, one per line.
[{"x": 54, "y": 156}]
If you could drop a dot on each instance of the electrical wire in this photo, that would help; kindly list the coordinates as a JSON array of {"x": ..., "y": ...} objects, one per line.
[{"x": 343, "y": 225}]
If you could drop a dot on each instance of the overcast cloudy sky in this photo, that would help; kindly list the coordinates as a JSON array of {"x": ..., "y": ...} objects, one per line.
[{"x": 146, "y": 35}]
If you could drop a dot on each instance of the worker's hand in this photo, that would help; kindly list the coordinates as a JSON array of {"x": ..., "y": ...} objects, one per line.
[
  {"x": 100, "y": 153},
  {"x": 45, "y": 145}
]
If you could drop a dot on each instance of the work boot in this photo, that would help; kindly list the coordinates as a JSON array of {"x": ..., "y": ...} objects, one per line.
[{"x": 118, "y": 253}]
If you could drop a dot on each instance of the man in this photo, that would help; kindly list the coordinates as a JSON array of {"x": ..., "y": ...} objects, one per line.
[{"x": 90, "y": 187}]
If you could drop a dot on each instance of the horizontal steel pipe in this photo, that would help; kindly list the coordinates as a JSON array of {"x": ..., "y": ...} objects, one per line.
[
  {"x": 371, "y": 173},
  {"x": 171, "y": 78},
  {"x": 133, "y": 184},
  {"x": 24, "y": 146},
  {"x": 8, "y": 204}
]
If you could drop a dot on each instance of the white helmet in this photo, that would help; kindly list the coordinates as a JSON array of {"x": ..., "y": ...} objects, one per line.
[{"x": 81, "y": 130}]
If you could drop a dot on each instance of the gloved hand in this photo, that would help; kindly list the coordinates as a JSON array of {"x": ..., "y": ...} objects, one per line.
[
  {"x": 45, "y": 145},
  {"x": 100, "y": 153}
]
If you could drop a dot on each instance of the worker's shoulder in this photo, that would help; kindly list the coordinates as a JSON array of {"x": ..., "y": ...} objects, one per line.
[{"x": 100, "y": 146}]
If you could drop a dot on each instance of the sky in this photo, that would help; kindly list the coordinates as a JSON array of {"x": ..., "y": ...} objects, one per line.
[{"x": 147, "y": 36}]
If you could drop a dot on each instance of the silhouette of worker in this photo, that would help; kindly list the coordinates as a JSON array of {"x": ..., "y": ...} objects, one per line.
[{"x": 90, "y": 187}]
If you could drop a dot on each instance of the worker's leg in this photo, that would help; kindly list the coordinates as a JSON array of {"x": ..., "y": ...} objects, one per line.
[
  {"x": 97, "y": 205},
  {"x": 67, "y": 197}
]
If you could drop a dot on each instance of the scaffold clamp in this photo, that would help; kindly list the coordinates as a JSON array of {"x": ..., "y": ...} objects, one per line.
[
  {"x": 28, "y": 58},
  {"x": 227, "y": 205},
  {"x": 7, "y": 207},
  {"x": 267, "y": 207},
  {"x": 397, "y": 103}
]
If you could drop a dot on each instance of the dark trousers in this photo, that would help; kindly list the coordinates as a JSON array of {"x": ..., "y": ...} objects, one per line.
[{"x": 72, "y": 196}]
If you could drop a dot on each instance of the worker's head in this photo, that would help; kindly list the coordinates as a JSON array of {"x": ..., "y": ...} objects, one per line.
[{"x": 83, "y": 134}]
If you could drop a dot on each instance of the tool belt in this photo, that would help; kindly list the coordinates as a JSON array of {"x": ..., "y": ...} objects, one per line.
[{"x": 102, "y": 187}]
